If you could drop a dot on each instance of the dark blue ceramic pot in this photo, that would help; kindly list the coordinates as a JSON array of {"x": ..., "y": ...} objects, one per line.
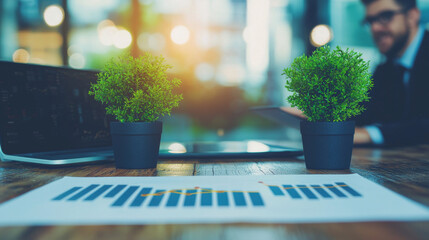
[
  {"x": 136, "y": 145},
  {"x": 327, "y": 145}
]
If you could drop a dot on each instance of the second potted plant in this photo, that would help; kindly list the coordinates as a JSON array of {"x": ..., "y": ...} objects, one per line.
[
  {"x": 328, "y": 87},
  {"x": 136, "y": 91}
]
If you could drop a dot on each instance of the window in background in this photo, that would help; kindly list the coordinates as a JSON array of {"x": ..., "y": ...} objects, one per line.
[
  {"x": 229, "y": 53},
  {"x": 30, "y": 31}
]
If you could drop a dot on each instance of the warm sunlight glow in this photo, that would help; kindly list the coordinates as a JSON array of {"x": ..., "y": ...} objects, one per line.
[
  {"x": 122, "y": 39},
  {"x": 107, "y": 35},
  {"x": 320, "y": 35},
  {"x": 105, "y": 23},
  {"x": 53, "y": 15},
  {"x": 180, "y": 35},
  {"x": 106, "y": 32},
  {"x": 21, "y": 56}
]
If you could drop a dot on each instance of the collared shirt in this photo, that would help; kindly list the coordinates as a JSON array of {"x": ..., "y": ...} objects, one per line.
[{"x": 407, "y": 61}]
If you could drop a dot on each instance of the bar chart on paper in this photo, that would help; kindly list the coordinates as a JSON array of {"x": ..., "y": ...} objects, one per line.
[
  {"x": 214, "y": 199},
  {"x": 199, "y": 197},
  {"x": 325, "y": 191},
  {"x": 152, "y": 198}
]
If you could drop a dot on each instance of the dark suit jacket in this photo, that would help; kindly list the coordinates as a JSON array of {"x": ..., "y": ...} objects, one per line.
[{"x": 401, "y": 121}]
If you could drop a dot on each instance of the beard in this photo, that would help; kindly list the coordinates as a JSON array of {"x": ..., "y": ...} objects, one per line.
[{"x": 398, "y": 45}]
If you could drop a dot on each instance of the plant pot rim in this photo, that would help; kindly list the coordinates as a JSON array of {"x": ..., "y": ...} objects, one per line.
[
  {"x": 117, "y": 122},
  {"x": 135, "y": 128},
  {"x": 327, "y": 128},
  {"x": 327, "y": 122}
]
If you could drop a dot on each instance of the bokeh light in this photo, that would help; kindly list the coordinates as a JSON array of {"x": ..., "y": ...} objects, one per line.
[
  {"x": 77, "y": 60},
  {"x": 122, "y": 39},
  {"x": 21, "y": 56},
  {"x": 180, "y": 34},
  {"x": 204, "y": 72},
  {"x": 254, "y": 146},
  {"x": 321, "y": 35},
  {"x": 176, "y": 148},
  {"x": 106, "y": 32},
  {"x": 53, "y": 15}
]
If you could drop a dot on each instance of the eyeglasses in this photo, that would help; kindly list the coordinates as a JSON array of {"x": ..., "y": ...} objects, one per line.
[{"x": 382, "y": 18}]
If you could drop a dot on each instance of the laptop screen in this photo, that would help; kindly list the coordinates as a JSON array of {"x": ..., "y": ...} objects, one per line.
[{"x": 46, "y": 108}]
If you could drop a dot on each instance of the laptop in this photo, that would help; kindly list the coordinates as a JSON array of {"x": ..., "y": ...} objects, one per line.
[{"x": 47, "y": 117}]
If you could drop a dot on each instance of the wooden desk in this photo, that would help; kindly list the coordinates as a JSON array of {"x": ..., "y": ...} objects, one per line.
[{"x": 404, "y": 170}]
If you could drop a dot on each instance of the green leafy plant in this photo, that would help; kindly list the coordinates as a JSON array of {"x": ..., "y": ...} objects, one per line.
[
  {"x": 329, "y": 86},
  {"x": 136, "y": 89}
]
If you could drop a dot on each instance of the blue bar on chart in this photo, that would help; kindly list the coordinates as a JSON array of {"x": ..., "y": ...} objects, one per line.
[
  {"x": 348, "y": 189},
  {"x": 256, "y": 199},
  {"x": 239, "y": 199},
  {"x": 124, "y": 197},
  {"x": 97, "y": 193},
  {"x": 222, "y": 199},
  {"x": 66, "y": 193},
  {"x": 83, "y": 192},
  {"x": 173, "y": 199},
  {"x": 292, "y": 191},
  {"x": 156, "y": 198},
  {"x": 139, "y": 199},
  {"x": 190, "y": 198},
  {"x": 334, "y": 190},
  {"x": 206, "y": 197},
  {"x": 319, "y": 189},
  {"x": 276, "y": 191},
  {"x": 307, "y": 192},
  {"x": 115, "y": 191}
]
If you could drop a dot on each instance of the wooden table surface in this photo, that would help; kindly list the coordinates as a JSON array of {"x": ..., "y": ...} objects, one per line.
[{"x": 404, "y": 170}]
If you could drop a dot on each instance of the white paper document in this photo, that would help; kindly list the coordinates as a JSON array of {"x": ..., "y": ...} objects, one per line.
[{"x": 209, "y": 199}]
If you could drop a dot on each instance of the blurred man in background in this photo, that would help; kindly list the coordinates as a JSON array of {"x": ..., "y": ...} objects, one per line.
[{"x": 398, "y": 112}]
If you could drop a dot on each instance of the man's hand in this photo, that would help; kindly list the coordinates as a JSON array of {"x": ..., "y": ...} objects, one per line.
[
  {"x": 294, "y": 111},
  {"x": 361, "y": 136}
]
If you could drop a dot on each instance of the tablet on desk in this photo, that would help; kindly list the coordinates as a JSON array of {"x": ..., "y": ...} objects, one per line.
[{"x": 226, "y": 149}]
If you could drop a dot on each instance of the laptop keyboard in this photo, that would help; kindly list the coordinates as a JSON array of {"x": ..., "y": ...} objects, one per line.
[{"x": 70, "y": 155}]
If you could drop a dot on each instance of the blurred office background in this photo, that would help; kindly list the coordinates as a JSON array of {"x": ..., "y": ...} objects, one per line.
[{"x": 230, "y": 54}]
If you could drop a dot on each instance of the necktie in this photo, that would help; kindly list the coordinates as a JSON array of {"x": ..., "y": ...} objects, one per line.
[
  {"x": 395, "y": 94},
  {"x": 406, "y": 82},
  {"x": 403, "y": 86}
]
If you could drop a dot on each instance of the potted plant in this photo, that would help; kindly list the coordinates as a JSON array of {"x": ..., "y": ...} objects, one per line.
[
  {"x": 136, "y": 91},
  {"x": 329, "y": 88}
]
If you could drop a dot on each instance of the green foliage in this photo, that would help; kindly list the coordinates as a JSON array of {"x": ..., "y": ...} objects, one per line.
[
  {"x": 136, "y": 89},
  {"x": 329, "y": 86}
]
